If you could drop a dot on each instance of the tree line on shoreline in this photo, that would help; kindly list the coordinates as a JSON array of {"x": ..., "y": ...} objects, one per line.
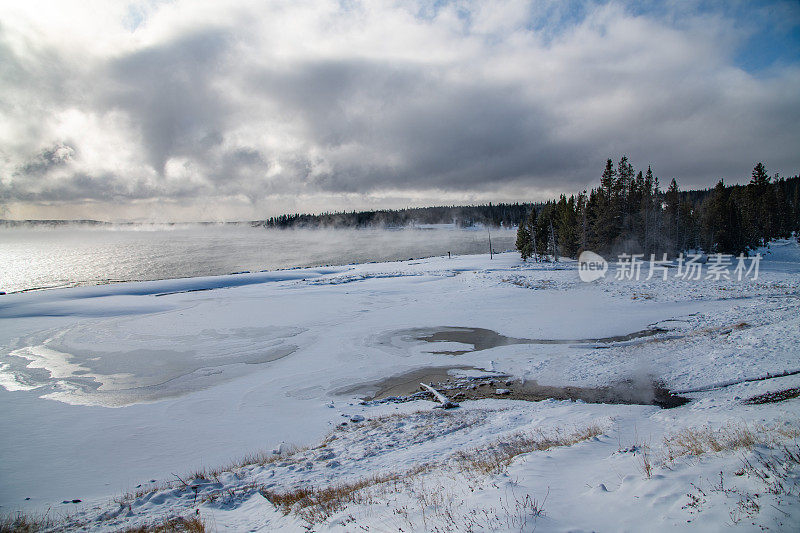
[
  {"x": 495, "y": 215},
  {"x": 629, "y": 213}
]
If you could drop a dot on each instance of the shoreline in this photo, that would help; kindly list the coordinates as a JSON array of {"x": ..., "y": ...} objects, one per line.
[
  {"x": 179, "y": 280},
  {"x": 249, "y": 255}
]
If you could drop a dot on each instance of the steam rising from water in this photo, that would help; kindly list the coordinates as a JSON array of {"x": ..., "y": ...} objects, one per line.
[{"x": 54, "y": 257}]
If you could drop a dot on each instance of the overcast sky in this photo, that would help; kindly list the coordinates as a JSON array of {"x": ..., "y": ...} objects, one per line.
[{"x": 189, "y": 110}]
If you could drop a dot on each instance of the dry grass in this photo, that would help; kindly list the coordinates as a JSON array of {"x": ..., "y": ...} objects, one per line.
[
  {"x": 178, "y": 524},
  {"x": 433, "y": 507},
  {"x": 21, "y": 523},
  {"x": 261, "y": 458},
  {"x": 774, "y": 471},
  {"x": 646, "y": 461},
  {"x": 496, "y": 457},
  {"x": 441, "y": 510},
  {"x": 317, "y": 504},
  {"x": 699, "y": 441},
  {"x": 129, "y": 496}
]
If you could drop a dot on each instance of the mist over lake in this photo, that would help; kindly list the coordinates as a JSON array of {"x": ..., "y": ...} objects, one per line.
[{"x": 46, "y": 257}]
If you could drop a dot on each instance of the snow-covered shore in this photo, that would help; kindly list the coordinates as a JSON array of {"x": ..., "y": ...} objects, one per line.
[{"x": 109, "y": 387}]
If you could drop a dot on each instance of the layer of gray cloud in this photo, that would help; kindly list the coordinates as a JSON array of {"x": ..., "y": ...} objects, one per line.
[{"x": 212, "y": 110}]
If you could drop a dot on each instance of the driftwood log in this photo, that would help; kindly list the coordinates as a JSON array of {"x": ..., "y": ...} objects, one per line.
[{"x": 444, "y": 403}]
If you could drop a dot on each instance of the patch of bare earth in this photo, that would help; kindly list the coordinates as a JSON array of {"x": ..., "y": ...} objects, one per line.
[{"x": 773, "y": 397}]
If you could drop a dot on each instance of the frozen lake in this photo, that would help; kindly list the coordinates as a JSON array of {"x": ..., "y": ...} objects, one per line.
[{"x": 45, "y": 257}]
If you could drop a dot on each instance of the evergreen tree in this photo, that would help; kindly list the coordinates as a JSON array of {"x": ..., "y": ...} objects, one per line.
[
  {"x": 635, "y": 221},
  {"x": 646, "y": 208},
  {"x": 593, "y": 221},
  {"x": 794, "y": 219},
  {"x": 758, "y": 215},
  {"x": 783, "y": 210},
  {"x": 714, "y": 210},
  {"x": 524, "y": 242},
  {"x": 552, "y": 247},
  {"x": 672, "y": 199},
  {"x": 723, "y": 221},
  {"x": 688, "y": 237},
  {"x": 581, "y": 208},
  {"x": 607, "y": 179},
  {"x": 624, "y": 179},
  {"x": 532, "y": 217},
  {"x": 567, "y": 228},
  {"x": 543, "y": 237},
  {"x": 628, "y": 212},
  {"x": 624, "y": 183},
  {"x": 606, "y": 224}
]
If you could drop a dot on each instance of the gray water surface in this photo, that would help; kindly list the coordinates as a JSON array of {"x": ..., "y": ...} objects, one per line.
[{"x": 46, "y": 257}]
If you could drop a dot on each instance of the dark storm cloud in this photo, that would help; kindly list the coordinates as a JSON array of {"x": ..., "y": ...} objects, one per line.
[
  {"x": 446, "y": 134},
  {"x": 78, "y": 187},
  {"x": 459, "y": 135},
  {"x": 169, "y": 89},
  {"x": 108, "y": 187}
]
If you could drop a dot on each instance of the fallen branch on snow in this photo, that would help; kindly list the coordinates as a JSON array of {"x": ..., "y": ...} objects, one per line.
[{"x": 441, "y": 398}]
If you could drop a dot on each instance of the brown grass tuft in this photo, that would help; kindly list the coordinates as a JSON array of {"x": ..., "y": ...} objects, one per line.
[
  {"x": 260, "y": 458},
  {"x": 177, "y": 524},
  {"x": 21, "y": 523},
  {"x": 699, "y": 441},
  {"x": 315, "y": 505},
  {"x": 497, "y": 456}
]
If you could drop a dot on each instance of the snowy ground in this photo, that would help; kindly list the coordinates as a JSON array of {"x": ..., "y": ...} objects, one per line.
[{"x": 110, "y": 387}]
